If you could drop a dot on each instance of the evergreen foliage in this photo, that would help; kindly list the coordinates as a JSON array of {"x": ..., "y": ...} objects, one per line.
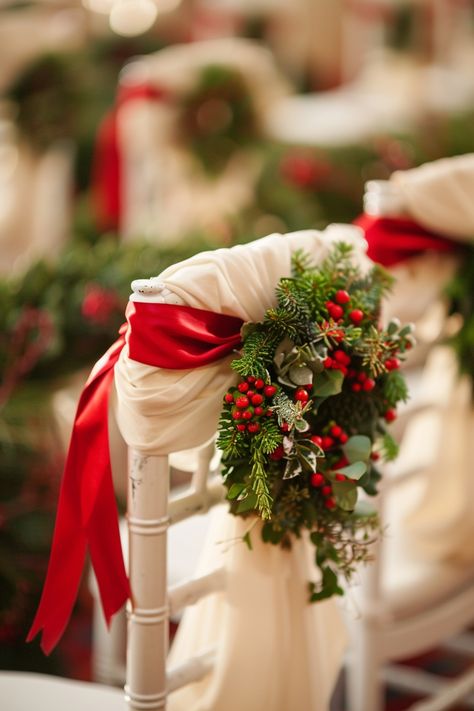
[{"x": 302, "y": 429}]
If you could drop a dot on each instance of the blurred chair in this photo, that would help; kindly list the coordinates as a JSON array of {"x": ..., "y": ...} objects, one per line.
[
  {"x": 413, "y": 599},
  {"x": 178, "y": 111}
]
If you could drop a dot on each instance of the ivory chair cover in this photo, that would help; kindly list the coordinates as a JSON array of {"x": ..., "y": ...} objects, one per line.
[
  {"x": 274, "y": 651},
  {"x": 438, "y": 196}
]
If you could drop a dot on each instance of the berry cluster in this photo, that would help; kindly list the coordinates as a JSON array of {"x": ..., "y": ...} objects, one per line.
[
  {"x": 250, "y": 402},
  {"x": 337, "y": 309}
]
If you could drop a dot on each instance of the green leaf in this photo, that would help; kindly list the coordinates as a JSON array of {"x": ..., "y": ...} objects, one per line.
[
  {"x": 354, "y": 471},
  {"x": 247, "y": 540},
  {"x": 329, "y": 383},
  {"x": 357, "y": 448},
  {"x": 346, "y": 494},
  {"x": 247, "y": 504},
  {"x": 236, "y": 490}
]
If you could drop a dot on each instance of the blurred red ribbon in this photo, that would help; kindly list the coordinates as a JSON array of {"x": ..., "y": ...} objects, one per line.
[
  {"x": 161, "y": 335},
  {"x": 393, "y": 240},
  {"x": 107, "y": 169}
]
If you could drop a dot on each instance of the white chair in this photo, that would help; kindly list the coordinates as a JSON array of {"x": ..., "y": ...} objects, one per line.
[{"x": 406, "y": 602}]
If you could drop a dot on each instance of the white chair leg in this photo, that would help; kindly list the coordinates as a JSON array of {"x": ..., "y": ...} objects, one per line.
[{"x": 147, "y": 644}]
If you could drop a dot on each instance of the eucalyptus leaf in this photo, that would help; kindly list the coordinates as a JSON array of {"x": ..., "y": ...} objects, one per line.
[
  {"x": 329, "y": 383},
  {"x": 357, "y": 448},
  {"x": 346, "y": 494},
  {"x": 354, "y": 471},
  {"x": 301, "y": 374}
]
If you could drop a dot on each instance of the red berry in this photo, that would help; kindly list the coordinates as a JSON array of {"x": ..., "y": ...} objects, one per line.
[
  {"x": 247, "y": 414},
  {"x": 253, "y": 427},
  {"x": 343, "y": 438},
  {"x": 269, "y": 413},
  {"x": 277, "y": 453},
  {"x": 355, "y": 387},
  {"x": 375, "y": 456},
  {"x": 327, "y": 442},
  {"x": 243, "y": 387},
  {"x": 327, "y": 362},
  {"x": 250, "y": 379},
  {"x": 242, "y": 402},
  {"x": 330, "y": 503},
  {"x": 342, "y": 297},
  {"x": 343, "y": 369},
  {"x": 250, "y": 393},
  {"x": 259, "y": 384},
  {"x": 356, "y": 316},
  {"x": 340, "y": 356},
  {"x": 390, "y": 415},
  {"x": 258, "y": 411},
  {"x": 326, "y": 490},
  {"x": 317, "y": 440},
  {"x": 336, "y": 431},
  {"x": 301, "y": 395},
  {"x": 241, "y": 427},
  {"x": 257, "y": 399},
  {"x": 329, "y": 304},
  {"x": 269, "y": 390},
  {"x": 342, "y": 462},
  {"x": 228, "y": 397},
  {"x": 368, "y": 385},
  {"x": 336, "y": 311},
  {"x": 236, "y": 415},
  {"x": 317, "y": 479},
  {"x": 340, "y": 477},
  {"x": 392, "y": 363},
  {"x": 285, "y": 427},
  {"x": 361, "y": 377}
]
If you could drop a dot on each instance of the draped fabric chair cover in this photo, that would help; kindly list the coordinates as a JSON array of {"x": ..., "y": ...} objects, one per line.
[
  {"x": 165, "y": 192},
  {"x": 438, "y": 196},
  {"x": 274, "y": 651}
]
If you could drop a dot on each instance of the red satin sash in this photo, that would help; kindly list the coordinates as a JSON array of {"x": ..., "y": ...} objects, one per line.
[
  {"x": 394, "y": 239},
  {"x": 161, "y": 335}
]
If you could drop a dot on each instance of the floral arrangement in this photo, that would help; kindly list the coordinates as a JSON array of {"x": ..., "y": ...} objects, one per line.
[{"x": 302, "y": 431}]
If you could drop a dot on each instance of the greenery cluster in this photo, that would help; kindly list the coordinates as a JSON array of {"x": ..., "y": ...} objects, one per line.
[
  {"x": 217, "y": 118},
  {"x": 303, "y": 429}
]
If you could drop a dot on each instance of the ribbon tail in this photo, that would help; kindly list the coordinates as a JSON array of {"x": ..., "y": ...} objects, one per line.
[
  {"x": 106, "y": 551},
  {"x": 63, "y": 577},
  {"x": 87, "y": 515}
]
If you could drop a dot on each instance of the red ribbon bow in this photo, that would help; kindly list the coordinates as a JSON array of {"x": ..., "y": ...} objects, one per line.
[{"x": 161, "y": 335}]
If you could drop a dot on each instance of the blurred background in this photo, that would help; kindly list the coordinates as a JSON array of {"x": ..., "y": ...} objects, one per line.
[{"x": 134, "y": 133}]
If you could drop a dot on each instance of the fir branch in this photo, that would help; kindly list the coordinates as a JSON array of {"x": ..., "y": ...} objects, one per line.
[
  {"x": 388, "y": 447},
  {"x": 257, "y": 353},
  {"x": 395, "y": 388}
]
